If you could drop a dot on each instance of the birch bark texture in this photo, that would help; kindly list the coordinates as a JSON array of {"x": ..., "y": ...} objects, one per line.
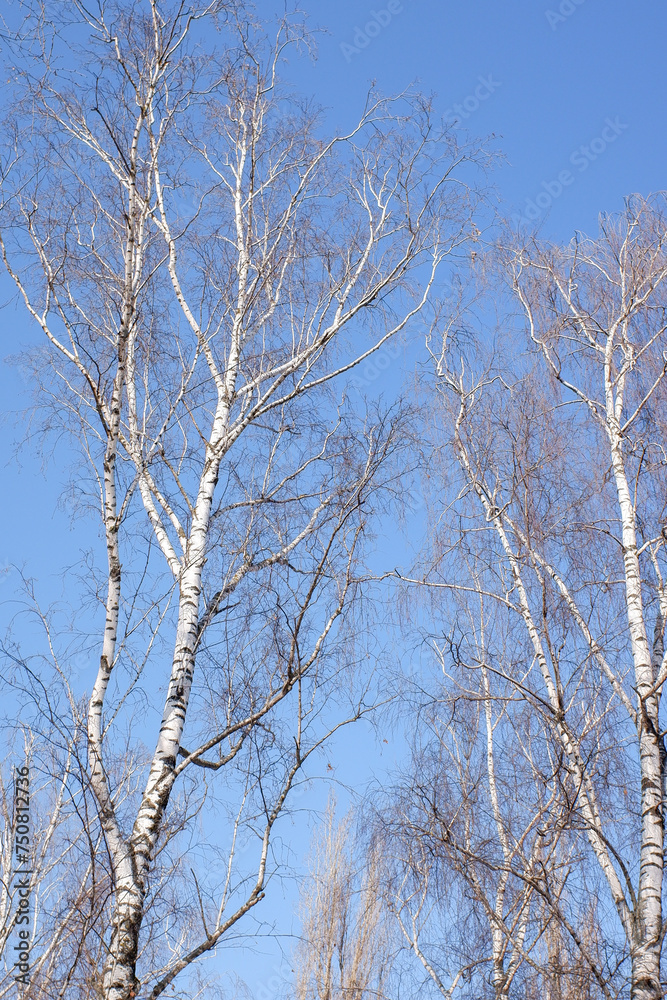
[
  {"x": 206, "y": 268},
  {"x": 561, "y": 452}
]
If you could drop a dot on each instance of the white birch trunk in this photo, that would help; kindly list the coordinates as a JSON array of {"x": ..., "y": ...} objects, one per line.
[
  {"x": 90, "y": 256},
  {"x": 646, "y": 941},
  {"x": 636, "y": 270}
]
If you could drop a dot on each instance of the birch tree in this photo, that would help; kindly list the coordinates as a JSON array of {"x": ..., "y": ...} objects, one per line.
[
  {"x": 206, "y": 269},
  {"x": 63, "y": 873},
  {"x": 561, "y": 450},
  {"x": 476, "y": 835}
]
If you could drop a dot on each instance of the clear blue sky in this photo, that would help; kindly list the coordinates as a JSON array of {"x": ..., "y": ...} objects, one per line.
[
  {"x": 561, "y": 76},
  {"x": 568, "y": 86}
]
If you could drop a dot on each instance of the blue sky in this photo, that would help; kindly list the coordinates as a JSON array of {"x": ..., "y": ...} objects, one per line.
[
  {"x": 560, "y": 77},
  {"x": 571, "y": 90},
  {"x": 555, "y": 83}
]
